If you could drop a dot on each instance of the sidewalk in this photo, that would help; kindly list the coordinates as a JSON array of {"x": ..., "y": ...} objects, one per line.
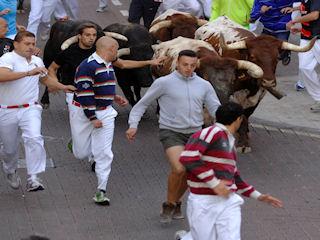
[{"x": 292, "y": 111}]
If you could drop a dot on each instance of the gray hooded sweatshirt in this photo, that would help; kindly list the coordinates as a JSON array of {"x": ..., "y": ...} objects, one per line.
[{"x": 181, "y": 101}]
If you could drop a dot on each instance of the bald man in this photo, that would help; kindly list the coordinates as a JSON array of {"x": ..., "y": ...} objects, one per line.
[{"x": 92, "y": 117}]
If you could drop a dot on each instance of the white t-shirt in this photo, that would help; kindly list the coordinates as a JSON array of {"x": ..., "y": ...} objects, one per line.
[{"x": 23, "y": 90}]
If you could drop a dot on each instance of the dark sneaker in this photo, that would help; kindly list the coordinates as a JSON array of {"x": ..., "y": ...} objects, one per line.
[
  {"x": 299, "y": 87},
  {"x": 14, "y": 180},
  {"x": 101, "y": 9},
  {"x": 179, "y": 234},
  {"x": 167, "y": 212},
  {"x": 93, "y": 166},
  {"x": 92, "y": 163},
  {"x": 177, "y": 214},
  {"x": 101, "y": 199},
  {"x": 286, "y": 60},
  {"x": 285, "y": 57},
  {"x": 34, "y": 185}
]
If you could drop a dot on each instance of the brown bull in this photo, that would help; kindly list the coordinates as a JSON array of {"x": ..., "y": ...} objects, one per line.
[
  {"x": 239, "y": 43},
  {"x": 232, "y": 40},
  {"x": 172, "y": 24},
  {"x": 225, "y": 74}
]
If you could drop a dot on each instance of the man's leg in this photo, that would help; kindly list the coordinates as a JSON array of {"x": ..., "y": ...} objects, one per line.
[
  {"x": 228, "y": 223},
  {"x": 307, "y": 64},
  {"x": 73, "y": 6},
  {"x": 176, "y": 175},
  {"x": 176, "y": 186},
  {"x": 10, "y": 141},
  {"x": 102, "y": 151},
  {"x": 48, "y": 9},
  {"x": 35, "y": 16},
  {"x": 60, "y": 11},
  {"x": 202, "y": 212},
  {"x": 135, "y": 11},
  {"x": 150, "y": 9},
  {"x": 30, "y": 124},
  {"x": 81, "y": 130}
]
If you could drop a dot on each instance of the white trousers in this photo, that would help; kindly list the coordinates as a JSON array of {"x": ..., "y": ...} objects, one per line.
[
  {"x": 72, "y": 5},
  {"x": 41, "y": 11},
  {"x": 28, "y": 120},
  {"x": 102, "y": 3},
  {"x": 87, "y": 140},
  {"x": 214, "y": 217},
  {"x": 308, "y": 61}
]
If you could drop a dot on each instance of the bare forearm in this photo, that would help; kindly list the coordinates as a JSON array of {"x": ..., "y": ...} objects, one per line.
[
  {"x": 133, "y": 64},
  {"x": 6, "y": 76},
  {"x": 52, "y": 84},
  {"x": 307, "y": 18},
  {"x": 52, "y": 71}
]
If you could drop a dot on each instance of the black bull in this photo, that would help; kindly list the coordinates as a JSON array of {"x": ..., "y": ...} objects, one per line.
[{"x": 139, "y": 42}]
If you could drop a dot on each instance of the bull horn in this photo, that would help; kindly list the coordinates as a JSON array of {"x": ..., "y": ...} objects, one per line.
[
  {"x": 68, "y": 42},
  {"x": 253, "y": 70},
  {"x": 123, "y": 51},
  {"x": 162, "y": 24},
  {"x": 232, "y": 46},
  {"x": 116, "y": 36},
  {"x": 296, "y": 48},
  {"x": 201, "y": 22}
]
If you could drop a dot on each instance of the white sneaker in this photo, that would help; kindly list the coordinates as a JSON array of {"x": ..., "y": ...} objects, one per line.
[
  {"x": 34, "y": 185},
  {"x": 101, "y": 9},
  {"x": 14, "y": 180},
  {"x": 179, "y": 234}
]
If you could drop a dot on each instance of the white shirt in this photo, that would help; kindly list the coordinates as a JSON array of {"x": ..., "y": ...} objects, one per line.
[{"x": 23, "y": 90}]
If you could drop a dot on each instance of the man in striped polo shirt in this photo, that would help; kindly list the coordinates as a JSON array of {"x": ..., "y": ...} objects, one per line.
[
  {"x": 213, "y": 178},
  {"x": 92, "y": 116}
]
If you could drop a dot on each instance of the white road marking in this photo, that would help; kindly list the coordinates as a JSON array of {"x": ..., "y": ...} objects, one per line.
[
  {"x": 116, "y": 2},
  {"x": 124, "y": 13}
]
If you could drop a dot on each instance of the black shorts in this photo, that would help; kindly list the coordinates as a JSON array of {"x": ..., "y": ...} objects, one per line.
[{"x": 170, "y": 138}]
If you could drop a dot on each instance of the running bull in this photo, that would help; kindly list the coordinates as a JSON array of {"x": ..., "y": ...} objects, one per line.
[
  {"x": 172, "y": 24},
  {"x": 239, "y": 43}
]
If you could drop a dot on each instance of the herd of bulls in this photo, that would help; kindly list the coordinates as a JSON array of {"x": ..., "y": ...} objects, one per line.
[{"x": 239, "y": 65}]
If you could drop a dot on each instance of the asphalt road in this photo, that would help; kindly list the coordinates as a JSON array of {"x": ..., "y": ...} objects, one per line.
[{"x": 283, "y": 163}]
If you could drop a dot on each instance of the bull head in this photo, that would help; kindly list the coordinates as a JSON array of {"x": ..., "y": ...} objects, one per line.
[
  {"x": 66, "y": 44},
  {"x": 255, "y": 49}
]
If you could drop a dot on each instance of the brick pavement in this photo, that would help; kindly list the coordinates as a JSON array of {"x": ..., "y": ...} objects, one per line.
[{"x": 283, "y": 162}]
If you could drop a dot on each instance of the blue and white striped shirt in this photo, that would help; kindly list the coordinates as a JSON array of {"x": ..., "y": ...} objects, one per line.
[{"x": 96, "y": 85}]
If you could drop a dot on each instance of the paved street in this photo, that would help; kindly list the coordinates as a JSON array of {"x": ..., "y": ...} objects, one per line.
[{"x": 284, "y": 162}]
